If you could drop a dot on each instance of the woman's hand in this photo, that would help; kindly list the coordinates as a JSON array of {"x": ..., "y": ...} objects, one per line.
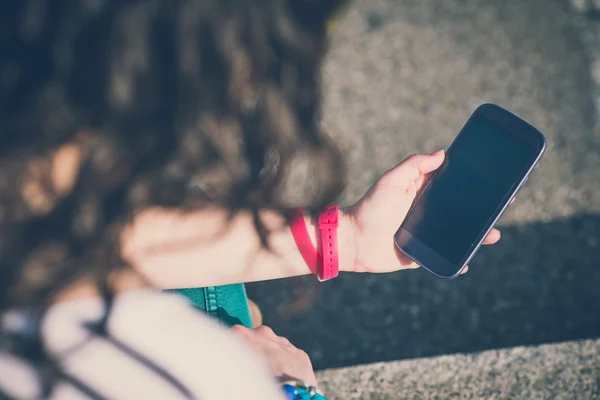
[
  {"x": 286, "y": 361},
  {"x": 378, "y": 215}
]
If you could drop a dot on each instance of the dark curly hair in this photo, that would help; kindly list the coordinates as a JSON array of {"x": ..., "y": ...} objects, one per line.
[{"x": 108, "y": 107}]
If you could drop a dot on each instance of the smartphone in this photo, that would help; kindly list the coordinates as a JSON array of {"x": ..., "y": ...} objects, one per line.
[{"x": 485, "y": 166}]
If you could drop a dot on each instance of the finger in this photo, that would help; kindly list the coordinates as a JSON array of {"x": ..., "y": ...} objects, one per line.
[
  {"x": 405, "y": 261},
  {"x": 266, "y": 331},
  {"x": 492, "y": 237},
  {"x": 465, "y": 270},
  {"x": 513, "y": 200},
  {"x": 241, "y": 330},
  {"x": 424, "y": 163},
  {"x": 417, "y": 165}
]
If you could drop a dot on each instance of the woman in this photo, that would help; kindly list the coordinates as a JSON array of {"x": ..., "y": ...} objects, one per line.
[{"x": 108, "y": 109}]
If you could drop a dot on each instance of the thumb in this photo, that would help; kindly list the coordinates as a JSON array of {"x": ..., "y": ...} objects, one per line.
[
  {"x": 410, "y": 174},
  {"x": 395, "y": 190},
  {"x": 415, "y": 167},
  {"x": 421, "y": 164}
]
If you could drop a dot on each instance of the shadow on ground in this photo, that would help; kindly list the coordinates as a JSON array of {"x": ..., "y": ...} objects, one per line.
[{"x": 540, "y": 284}]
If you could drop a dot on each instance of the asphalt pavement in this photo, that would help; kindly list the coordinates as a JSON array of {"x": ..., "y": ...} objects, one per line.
[{"x": 403, "y": 77}]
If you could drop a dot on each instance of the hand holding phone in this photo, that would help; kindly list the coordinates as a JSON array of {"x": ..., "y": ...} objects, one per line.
[
  {"x": 367, "y": 228},
  {"x": 488, "y": 162}
]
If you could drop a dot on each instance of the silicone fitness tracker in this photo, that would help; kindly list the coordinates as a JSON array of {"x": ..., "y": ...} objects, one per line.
[
  {"x": 324, "y": 264},
  {"x": 328, "y": 224},
  {"x": 303, "y": 242}
]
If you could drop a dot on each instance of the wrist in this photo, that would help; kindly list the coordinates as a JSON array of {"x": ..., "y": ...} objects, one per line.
[{"x": 347, "y": 242}]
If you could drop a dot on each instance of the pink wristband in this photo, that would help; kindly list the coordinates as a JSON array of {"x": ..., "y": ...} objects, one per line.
[
  {"x": 330, "y": 262},
  {"x": 302, "y": 239},
  {"x": 326, "y": 263}
]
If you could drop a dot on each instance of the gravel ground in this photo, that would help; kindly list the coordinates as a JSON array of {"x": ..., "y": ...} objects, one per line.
[
  {"x": 403, "y": 76},
  {"x": 559, "y": 371}
]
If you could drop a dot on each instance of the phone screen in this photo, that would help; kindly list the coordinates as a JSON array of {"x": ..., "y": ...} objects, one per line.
[{"x": 481, "y": 170}]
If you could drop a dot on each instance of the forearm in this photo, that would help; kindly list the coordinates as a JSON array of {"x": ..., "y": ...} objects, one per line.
[{"x": 202, "y": 248}]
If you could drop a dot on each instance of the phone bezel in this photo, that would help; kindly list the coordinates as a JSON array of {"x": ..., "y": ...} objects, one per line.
[{"x": 435, "y": 263}]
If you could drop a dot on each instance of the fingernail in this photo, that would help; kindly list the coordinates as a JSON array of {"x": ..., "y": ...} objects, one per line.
[{"x": 438, "y": 152}]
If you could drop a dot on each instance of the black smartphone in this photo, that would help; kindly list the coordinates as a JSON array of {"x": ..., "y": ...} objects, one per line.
[{"x": 488, "y": 162}]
